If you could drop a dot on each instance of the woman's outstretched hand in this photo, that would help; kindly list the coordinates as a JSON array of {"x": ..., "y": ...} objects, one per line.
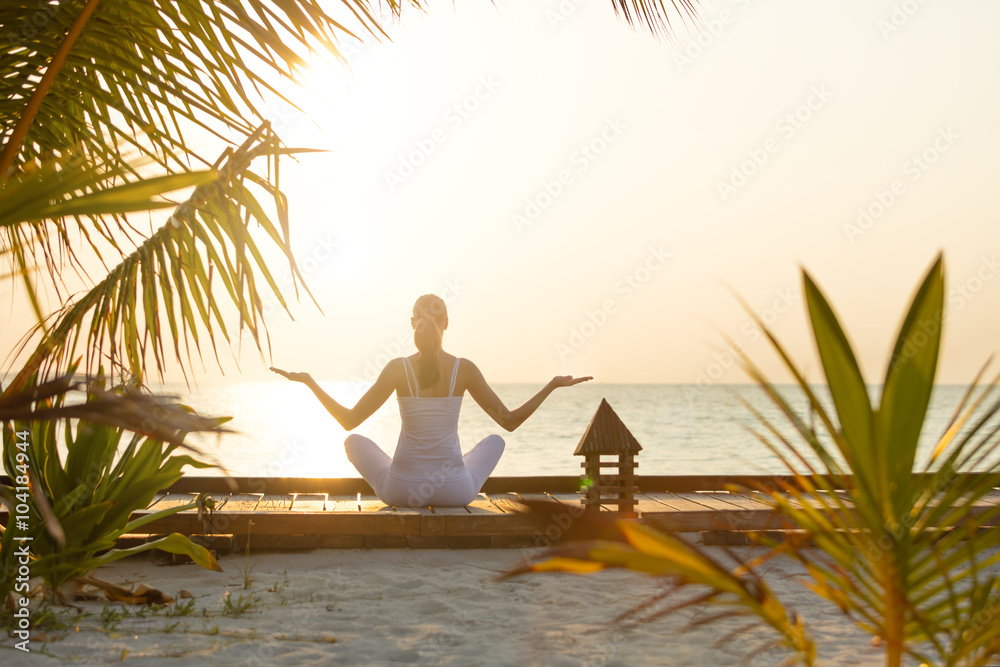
[
  {"x": 568, "y": 380},
  {"x": 294, "y": 377}
]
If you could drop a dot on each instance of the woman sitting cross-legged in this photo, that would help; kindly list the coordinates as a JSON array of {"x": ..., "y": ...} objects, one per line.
[{"x": 428, "y": 467}]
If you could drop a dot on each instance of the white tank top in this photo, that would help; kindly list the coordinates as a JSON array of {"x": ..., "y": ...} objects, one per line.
[{"x": 428, "y": 447}]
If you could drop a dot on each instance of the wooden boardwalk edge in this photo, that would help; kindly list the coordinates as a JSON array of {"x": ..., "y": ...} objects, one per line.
[{"x": 304, "y": 513}]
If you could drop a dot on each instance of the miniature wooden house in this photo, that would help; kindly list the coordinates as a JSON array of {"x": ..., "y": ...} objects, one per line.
[{"x": 606, "y": 436}]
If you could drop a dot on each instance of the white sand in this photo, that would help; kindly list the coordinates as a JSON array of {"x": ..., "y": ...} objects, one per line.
[{"x": 411, "y": 606}]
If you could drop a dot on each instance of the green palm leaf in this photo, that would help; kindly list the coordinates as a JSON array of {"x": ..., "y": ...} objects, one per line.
[
  {"x": 119, "y": 318},
  {"x": 909, "y": 380},
  {"x": 847, "y": 387}
]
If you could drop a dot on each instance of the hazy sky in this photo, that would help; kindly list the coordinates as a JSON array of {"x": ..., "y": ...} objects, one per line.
[{"x": 582, "y": 193}]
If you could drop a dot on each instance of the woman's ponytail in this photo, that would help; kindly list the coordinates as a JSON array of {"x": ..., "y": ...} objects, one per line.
[{"x": 431, "y": 317}]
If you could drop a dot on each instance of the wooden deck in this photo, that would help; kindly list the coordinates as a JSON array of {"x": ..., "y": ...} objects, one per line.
[
  {"x": 344, "y": 513},
  {"x": 308, "y": 513}
]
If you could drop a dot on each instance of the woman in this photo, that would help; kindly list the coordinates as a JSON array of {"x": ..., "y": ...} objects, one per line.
[{"x": 428, "y": 467}]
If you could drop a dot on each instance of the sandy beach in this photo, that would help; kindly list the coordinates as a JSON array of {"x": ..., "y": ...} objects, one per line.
[{"x": 410, "y": 606}]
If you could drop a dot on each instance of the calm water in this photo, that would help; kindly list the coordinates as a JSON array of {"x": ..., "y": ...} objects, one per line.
[{"x": 683, "y": 429}]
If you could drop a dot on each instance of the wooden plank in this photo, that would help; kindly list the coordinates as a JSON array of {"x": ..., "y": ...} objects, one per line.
[
  {"x": 543, "y": 497},
  {"x": 297, "y": 523},
  {"x": 483, "y": 524},
  {"x": 342, "y": 503},
  {"x": 275, "y": 503},
  {"x": 427, "y": 541},
  {"x": 309, "y": 502},
  {"x": 449, "y": 511},
  {"x": 508, "y": 502},
  {"x": 844, "y": 496},
  {"x": 742, "y": 502},
  {"x": 682, "y": 503},
  {"x": 688, "y": 522},
  {"x": 717, "y": 500},
  {"x": 763, "y": 498},
  {"x": 373, "y": 504},
  {"x": 554, "y": 484},
  {"x": 470, "y": 541},
  {"x": 643, "y": 504},
  {"x": 482, "y": 505},
  {"x": 386, "y": 541},
  {"x": 432, "y": 525},
  {"x": 992, "y": 497},
  {"x": 567, "y": 498},
  {"x": 171, "y": 500},
  {"x": 240, "y": 502},
  {"x": 693, "y": 498}
]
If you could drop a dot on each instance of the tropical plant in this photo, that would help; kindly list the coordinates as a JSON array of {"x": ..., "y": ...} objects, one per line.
[
  {"x": 904, "y": 553},
  {"x": 97, "y": 96},
  {"x": 81, "y": 505}
]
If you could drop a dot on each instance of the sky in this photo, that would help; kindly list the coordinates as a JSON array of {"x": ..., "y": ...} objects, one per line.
[{"x": 588, "y": 198}]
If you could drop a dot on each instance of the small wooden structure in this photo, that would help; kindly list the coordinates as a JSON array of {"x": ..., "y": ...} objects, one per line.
[{"x": 607, "y": 435}]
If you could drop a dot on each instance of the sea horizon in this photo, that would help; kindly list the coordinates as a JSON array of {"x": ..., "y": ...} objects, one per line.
[{"x": 684, "y": 429}]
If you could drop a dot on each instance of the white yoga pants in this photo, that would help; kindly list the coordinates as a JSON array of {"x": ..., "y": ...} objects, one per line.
[{"x": 436, "y": 488}]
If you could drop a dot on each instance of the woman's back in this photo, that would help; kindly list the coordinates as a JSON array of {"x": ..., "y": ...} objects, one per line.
[{"x": 428, "y": 440}]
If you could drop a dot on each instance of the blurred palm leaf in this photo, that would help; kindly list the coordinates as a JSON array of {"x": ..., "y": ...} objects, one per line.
[
  {"x": 738, "y": 590},
  {"x": 151, "y": 415}
]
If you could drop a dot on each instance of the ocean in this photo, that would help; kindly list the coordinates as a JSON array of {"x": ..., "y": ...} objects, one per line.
[{"x": 283, "y": 431}]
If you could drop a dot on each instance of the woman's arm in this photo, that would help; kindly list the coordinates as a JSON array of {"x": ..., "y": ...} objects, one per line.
[
  {"x": 350, "y": 418},
  {"x": 508, "y": 419}
]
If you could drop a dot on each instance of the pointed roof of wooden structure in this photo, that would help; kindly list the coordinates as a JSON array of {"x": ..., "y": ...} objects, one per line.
[{"x": 607, "y": 434}]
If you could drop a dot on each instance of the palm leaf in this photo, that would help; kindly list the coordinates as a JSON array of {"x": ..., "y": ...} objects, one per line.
[
  {"x": 739, "y": 590},
  {"x": 908, "y": 383},
  {"x": 116, "y": 318}
]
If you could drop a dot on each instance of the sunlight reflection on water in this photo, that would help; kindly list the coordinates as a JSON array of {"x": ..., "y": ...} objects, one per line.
[{"x": 283, "y": 431}]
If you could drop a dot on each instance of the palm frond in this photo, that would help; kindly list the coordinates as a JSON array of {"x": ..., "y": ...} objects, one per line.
[
  {"x": 173, "y": 284},
  {"x": 135, "y": 74},
  {"x": 150, "y": 415},
  {"x": 736, "y": 591}
]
